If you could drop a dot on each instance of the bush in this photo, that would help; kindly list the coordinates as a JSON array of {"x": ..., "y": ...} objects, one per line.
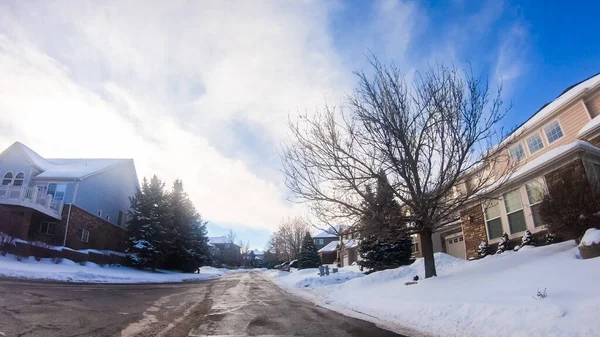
[
  {"x": 528, "y": 239},
  {"x": 571, "y": 207},
  {"x": 483, "y": 250},
  {"x": 504, "y": 244},
  {"x": 6, "y": 242}
]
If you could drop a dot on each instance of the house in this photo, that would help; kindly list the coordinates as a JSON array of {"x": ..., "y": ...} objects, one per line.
[
  {"x": 325, "y": 237},
  {"x": 77, "y": 203},
  {"x": 562, "y": 137},
  {"x": 225, "y": 252}
]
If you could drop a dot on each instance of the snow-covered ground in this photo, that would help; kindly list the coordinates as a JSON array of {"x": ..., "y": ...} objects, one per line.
[
  {"x": 68, "y": 270},
  {"x": 495, "y": 296}
]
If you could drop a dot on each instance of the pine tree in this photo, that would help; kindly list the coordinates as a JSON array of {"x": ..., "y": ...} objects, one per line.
[
  {"x": 504, "y": 244},
  {"x": 483, "y": 250},
  {"x": 145, "y": 229},
  {"x": 381, "y": 248},
  {"x": 309, "y": 258},
  {"x": 185, "y": 243},
  {"x": 528, "y": 239}
]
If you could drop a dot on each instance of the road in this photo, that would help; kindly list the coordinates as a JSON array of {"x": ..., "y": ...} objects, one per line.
[{"x": 242, "y": 304}]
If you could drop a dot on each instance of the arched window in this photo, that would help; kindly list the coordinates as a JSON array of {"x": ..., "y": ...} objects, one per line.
[
  {"x": 19, "y": 178},
  {"x": 8, "y": 178}
]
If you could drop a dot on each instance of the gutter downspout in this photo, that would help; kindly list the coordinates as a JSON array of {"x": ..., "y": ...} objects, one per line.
[{"x": 69, "y": 213}]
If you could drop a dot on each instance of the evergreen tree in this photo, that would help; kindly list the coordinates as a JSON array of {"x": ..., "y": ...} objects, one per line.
[
  {"x": 380, "y": 247},
  {"x": 528, "y": 239},
  {"x": 504, "y": 244},
  {"x": 309, "y": 258},
  {"x": 185, "y": 243},
  {"x": 380, "y": 255},
  {"x": 483, "y": 250},
  {"x": 145, "y": 229}
]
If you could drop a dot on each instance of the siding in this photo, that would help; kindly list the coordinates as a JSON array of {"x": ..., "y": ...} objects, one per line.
[
  {"x": 593, "y": 104},
  {"x": 108, "y": 191},
  {"x": 13, "y": 160}
]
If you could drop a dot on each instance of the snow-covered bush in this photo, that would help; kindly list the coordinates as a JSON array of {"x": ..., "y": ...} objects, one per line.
[
  {"x": 504, "y": 244},
  {"x": 5, "y": 242},
  {"x": 528, "y": 239},
  {"x": 541, "y": 294},
  {"x": 483, "y": 250},
  {"x": 551, "y": 238}
]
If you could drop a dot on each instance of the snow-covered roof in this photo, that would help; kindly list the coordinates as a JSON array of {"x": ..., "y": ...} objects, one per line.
[
  {"x": 591, "y": 126},
  {"x": 218, "y": 239},
  {"x": 562, "y": 99},
  {"x": 257, "y": 252},
  {"x": 331, "y": 247},
  {"x": 329, "y": 233},
  {"x": 353, "y": 243},
  {"x": 60, "y": 168}
]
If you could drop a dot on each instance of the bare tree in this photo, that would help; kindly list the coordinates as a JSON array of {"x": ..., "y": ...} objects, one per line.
[
  {"x": 244, "y": 246},
  {"x": 231, "y": 236},
  {"x": 432, "y": 141},
  {"x": 286, "y": 242}
]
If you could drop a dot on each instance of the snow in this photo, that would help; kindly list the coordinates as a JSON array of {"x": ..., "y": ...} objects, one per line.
[
  {"x": 494, "y": 296},
  {"x": 591, "y": 237},
  {"x": 69, "y": 271},
  {"x": 589, "y": 127},
  {"x": 329, "y": 233},
  {"x": 330, "y": 247},
  {"x": 351, "y": 243},
  {"x": 218, "y": 239},
  {"x": 309, "y": 278}
]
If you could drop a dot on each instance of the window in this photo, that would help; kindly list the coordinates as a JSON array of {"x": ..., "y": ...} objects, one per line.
[
  {"x": 536, "y": 190},
  {"x": 47, "y": 227},
  {"x": 19, "y": 178},
  {"x": 493, "y": 220},
  {"x": 57, "y": 191},
  {"x": 99, "y": 213},
  {"x": 534, "y": 143},
  {"x": 514, "y": 211},
  {"x": 85, "y": 235},
  {"x": 553, "y": 131},
  {"x": 320, "y": 241},
  {"x": 8, "y": 178},
  {"x": 517, "y": 153},
  {"x": 107, "y": 217},
  {"x": 415, "y": 243}
]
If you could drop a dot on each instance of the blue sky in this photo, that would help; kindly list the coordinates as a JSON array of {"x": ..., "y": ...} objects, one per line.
[{"x": 201, "y": 90}]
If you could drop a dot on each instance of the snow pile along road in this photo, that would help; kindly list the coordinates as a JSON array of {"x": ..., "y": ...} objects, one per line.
[
  {"x": 70, "y": 271},
  {"x": 495, "y": 296}
]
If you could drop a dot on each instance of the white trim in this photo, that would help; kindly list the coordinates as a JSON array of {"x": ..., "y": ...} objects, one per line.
[
  {"x": 538, "y": 133},
  {"x": 562, "y": 130},
  {"x": 11, "y": 179},
  {"x": 84, "y": 237},
  {"x": 69, "y": 214},
  {"x": 15, "y": 178},
  {"x": 99, "y": 213}
]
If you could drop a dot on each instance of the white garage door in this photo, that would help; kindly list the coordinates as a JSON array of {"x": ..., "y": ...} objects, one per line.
[{"x": 455, "y": 245}]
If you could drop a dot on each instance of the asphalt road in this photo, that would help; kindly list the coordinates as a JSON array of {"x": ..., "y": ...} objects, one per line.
[{"x": 244, "y": 304}]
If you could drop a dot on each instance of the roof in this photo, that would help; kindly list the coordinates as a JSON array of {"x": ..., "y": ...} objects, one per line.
[
  {"x": 330, "y": 247},
  {"x": 349, "y": 244},
  {"x": 60, "y": 168},
  {"x": 562, "y": 99},
  {"x": 590, "y": 127},
  {"x": 258, "y": 252},
  {"x": 329, "y": 233},
  {"x": 218, "y": 239}
]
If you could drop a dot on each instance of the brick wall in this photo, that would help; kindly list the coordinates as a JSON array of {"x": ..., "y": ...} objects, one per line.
[
  {"x": 14, "y": 221},
  {"x": 103, "y": 234},
  {"x": 566, "y": 171},
  {"x": 473, "y": 227}
]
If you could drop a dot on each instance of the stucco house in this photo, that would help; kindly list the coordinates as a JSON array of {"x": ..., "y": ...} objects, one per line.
[
  {"x": 77, "y": 203},
  {"x": 562, "y": 137}
]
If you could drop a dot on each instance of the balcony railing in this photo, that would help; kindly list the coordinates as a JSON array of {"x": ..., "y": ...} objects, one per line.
[{"x": 31, "y": 197}]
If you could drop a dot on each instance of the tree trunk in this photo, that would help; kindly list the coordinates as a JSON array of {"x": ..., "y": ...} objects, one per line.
[{"x": 427, "y": 249}]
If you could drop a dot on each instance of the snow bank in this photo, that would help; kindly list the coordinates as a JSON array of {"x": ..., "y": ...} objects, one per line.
[
  {"x": 67, "y": 270},
  {"x": 591, "y": 237},
  {"x": 494, "y": 296},
  {"x": 309, "y": 278}
]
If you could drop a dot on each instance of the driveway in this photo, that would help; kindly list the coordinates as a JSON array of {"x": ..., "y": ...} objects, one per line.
[{"x": 243, "y": 304}]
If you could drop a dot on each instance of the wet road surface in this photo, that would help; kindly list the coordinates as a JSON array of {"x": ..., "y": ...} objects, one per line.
[{"x": 243, "y": 304}]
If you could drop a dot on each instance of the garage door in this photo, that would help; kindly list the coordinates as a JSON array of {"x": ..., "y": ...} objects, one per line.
[{"x": 455, "y": 245}]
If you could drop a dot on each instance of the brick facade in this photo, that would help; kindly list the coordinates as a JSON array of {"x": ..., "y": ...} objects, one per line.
[
  {"x": 15, "y": 221},
  {"x": 473, "y": 227},
  {"x": 575, "y": 167},
  {"x": 103, "y": 235}
]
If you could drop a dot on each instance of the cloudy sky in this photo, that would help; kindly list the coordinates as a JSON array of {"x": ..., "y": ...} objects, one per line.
[{"x": 201, "y": 90}]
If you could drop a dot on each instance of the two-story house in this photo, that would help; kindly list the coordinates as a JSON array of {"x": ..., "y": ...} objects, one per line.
[
  {"x": 562, "y": 137},
  {"x": 76, "y": 203},
  {"x": 224, "y": 251}
]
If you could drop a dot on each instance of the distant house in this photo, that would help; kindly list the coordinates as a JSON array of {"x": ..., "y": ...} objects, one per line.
[
  {"x": 335, "y": 246},
  {"x": 77, "y": 203},
  {"x": 325, "y": 237},
  {"x": 225, "y": 252}
]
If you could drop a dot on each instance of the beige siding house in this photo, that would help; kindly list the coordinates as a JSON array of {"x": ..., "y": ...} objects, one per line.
[{"x": 563, "y": 136}]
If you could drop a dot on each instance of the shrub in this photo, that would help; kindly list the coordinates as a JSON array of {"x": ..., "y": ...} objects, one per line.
[
  {"x": 6, "y": 242},
  {"x": 504, "y": 244},
  {"x": 571, "y": 206},
  {"x": 528, "y": 239},
  {"x": 483, "y": 250},
  {"x": 541, "y": 294}
]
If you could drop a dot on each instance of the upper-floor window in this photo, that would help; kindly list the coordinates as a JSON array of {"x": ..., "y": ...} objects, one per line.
[
  {"x": 99, "y": 213},
  {"x": 517, "y": 153},
  {"x": 57, "y": 191},
  {"x": 19, "y": 179},
  {"x": 107, "y": 217},
  {"x": 553, "y": 131},
  {"x": 319, "y": 241},
  {"x": 8, "y": 178},
  {"x": 534, "y": 143}
]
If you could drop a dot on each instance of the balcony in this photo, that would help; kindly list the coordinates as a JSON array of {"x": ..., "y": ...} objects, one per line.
[{"x": 31, "y": 197}]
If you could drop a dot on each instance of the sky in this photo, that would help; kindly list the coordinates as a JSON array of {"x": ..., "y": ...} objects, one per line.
[{"x": 202, "y": 90}]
